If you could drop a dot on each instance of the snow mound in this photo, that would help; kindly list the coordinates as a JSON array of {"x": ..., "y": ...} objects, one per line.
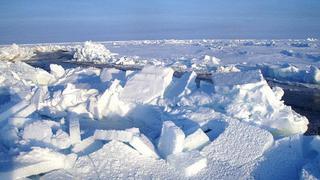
[
  {"x": 93, "y": 52},
  {"x": 247, "y": 96},
  {"x": 282, "y": 161},
  {"x": 278, "y": 92}
]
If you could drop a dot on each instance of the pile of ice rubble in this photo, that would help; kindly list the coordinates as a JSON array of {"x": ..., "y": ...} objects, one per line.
[
  {"x": 149, "y": 124},
  {"x": 16, "y": 52},
  {"x": 92, "y": 52},
  {"x": 97, "y": 53}
]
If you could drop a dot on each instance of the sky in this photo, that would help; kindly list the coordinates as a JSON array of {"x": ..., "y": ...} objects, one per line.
[{"x": 49, "y": 21}]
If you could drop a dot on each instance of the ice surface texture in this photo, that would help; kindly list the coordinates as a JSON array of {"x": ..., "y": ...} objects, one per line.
[{"x": 89, "y": 123}]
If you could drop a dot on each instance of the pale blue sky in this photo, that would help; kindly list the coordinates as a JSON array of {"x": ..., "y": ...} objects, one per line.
[{"x": 34, "y": 21}]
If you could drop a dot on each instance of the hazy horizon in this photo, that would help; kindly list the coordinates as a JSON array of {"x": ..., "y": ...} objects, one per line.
[{"x": 44, "y": 21}]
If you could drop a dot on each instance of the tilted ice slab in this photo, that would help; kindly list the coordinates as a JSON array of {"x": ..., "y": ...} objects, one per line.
[
  {"x": 171, "y": 140},
  {"x": 32, "y": 75},
  {"x": 86, "y": 146},
  {"x": 188, "y": 163},
  {"x": 132, "y": 136},
  {"x": 108, "y": 74},
  {"x": 117, "y": 135},
  {"x": 143, "y": 145},
  {"x": 181, "y": 86},
  {"x": 247, "y": 96},
  {"x": 17, "y": 79},
  {"x": 237, "y": 78},
  {"x": 57, "y": 175},
  {"x": 40, "y": 133},
  {"x": 282, "y": 161},
  {"x": 26, "y": 107},
  {"x": 147, "y": 85},
  {"x": 74, "y": 130},
  {"x": 109, "y": 102},
  {"x": 57, "y": 71},
  {"x": 238, "y": 143},
  {"x": 196, "y": 140},
  {"x": 17, "y": 108},
  {"x": 234, "y": 149},
  {"x": 37, "y": 161}
]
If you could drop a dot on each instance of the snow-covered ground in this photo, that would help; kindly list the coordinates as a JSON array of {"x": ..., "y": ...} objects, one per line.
[{"x": 163, "y": 109}]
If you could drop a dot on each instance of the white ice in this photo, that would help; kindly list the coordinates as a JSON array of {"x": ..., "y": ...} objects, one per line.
[
  {"x": 93, "y": 52},
  {"x": 108, "y": 74},
  {"x": 147, "y": 85},
  {"x": 238, "y": 144},
  {"x": 74, "y": 130},
  {"x": 196, "y": 140},
  {"x": 118, "y": 135},
  {"x": 143, "y": 145},
  {"x": 188, "y": 163},
  {"x": 171, "y": 139},
  {"x": 315, "y": 143},
  {"x": 38, "y": 161},
  {"x": 237, "y": 122}
]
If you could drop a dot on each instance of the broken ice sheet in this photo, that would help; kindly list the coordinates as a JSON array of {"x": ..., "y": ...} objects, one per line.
[
  {"x": 37, "y": 161},
  {"x": 188, "y": 163}
]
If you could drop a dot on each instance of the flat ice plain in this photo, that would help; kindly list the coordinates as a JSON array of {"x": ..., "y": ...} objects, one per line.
[{"x": 161, "y": 109}]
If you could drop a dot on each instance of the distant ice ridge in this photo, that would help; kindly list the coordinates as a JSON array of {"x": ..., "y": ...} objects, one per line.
[
  {"x": 288, "y": 72},
  {"x": 15, "y": 53},
  {"x": 198, "y": 55},
  {"x": 22, "y": 53}
]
